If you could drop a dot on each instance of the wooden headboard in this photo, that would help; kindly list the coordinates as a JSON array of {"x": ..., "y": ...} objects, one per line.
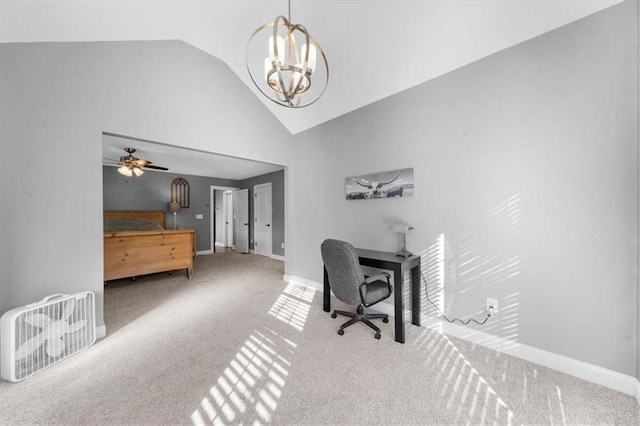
[{"x": 158, "y": 216}]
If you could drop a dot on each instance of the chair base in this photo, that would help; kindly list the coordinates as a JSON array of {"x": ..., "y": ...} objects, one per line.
[{"x": 360, "y": 316}]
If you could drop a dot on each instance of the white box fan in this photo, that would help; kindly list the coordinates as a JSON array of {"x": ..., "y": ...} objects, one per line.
[{"x": 44, "y": 333}]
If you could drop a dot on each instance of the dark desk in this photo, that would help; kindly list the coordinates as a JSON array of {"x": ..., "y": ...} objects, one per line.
[{"x": 399, "y": 265}]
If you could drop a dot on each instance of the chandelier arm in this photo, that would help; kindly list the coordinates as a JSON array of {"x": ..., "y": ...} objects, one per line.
[
  {"x": 305, "y": 61},
  {"x": 276, "y": 54},
  {"x": 326, "y": 67},
  {"x": 246, "y": 61},
  {"x": 294, "y": 87}
]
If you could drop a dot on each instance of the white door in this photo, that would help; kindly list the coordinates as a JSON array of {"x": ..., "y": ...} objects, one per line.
[
  {"x": 227, "y": 217},
  {"x": 241, "y": 220},
  {"x": 262, "y": 219}
]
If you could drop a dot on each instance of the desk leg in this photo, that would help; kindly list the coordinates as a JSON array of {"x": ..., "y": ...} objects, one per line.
[
  {"x": 326, "y": 305},
  {"x": 415, "y": 295},
  {"x": 398, "y": 285}
]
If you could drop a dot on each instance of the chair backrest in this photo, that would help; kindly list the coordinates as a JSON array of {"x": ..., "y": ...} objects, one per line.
[{"x": 345, "y": 274}]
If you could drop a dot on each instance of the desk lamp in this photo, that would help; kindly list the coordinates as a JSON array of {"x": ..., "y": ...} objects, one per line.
[
  {"x": 402, "y": 228},
  {"x": 174, "y": 207}
]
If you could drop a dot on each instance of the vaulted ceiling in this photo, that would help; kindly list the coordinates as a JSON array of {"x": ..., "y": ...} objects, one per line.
[{"x": 374, "y": 48}]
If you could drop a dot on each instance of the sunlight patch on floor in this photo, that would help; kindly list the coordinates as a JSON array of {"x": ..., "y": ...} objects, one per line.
[
  {"x": 464, "y": 389},
  {"x": 301, "y": 292},
  {"x": 293, "y": 308},
  {"x": 248, "y": 390}
]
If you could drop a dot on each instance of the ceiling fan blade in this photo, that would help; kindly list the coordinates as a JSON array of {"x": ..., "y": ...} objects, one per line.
[{"x": 155, "y": 167}]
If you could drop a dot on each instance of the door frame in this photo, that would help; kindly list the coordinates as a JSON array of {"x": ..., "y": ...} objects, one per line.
[
  {"x": 212, "y": 212},
  {"x": 255, "y": 217}
]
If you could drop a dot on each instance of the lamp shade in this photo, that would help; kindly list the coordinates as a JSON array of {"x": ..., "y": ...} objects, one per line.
[
  {"x": 125, "y": 171},
  {"x": 400, "y": 227},
  {"x": 174, "y": 207}
]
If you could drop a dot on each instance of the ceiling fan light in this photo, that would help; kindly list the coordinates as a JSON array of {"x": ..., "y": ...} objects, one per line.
[
  {"x": 125, "y": 171},
  {"x": 138, "y": 171}
]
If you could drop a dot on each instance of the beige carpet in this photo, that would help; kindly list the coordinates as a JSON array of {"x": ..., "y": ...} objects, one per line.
[{"x": 237, "y": 345}]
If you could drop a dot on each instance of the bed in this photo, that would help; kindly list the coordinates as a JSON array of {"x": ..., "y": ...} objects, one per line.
[{"x": 137, "y": 243}]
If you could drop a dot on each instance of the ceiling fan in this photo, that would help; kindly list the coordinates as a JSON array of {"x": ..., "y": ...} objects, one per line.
[{"x": 131, "y": 165}]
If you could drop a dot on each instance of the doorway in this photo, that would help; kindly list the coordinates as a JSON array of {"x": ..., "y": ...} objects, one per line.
[{"x": 221, "y": 204}]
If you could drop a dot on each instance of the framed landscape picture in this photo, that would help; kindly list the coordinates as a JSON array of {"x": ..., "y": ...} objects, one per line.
[{"x": 391, "y": 184}]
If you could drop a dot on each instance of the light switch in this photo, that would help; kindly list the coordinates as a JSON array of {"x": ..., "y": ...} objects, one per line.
[{"x": 199, "y": 216}]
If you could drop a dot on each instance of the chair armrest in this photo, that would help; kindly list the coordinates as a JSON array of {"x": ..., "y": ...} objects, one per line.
[{"x": 381, "y": 276}]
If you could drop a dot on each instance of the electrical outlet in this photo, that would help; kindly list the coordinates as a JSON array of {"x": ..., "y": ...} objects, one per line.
[{"x": 491, "y": 306}]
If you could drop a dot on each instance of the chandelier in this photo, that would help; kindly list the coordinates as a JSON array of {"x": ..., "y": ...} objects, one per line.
[{"x": 290, "y": 69}]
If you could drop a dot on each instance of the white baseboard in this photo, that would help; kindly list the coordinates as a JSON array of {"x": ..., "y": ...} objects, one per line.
[
  {"x": 101, "y": 331},
  {"x": 219, "y": 244},
  {"x": 201, "y": 252},
  {"x": 583, "y": 370},
  {"x": 271, "y": 256}
]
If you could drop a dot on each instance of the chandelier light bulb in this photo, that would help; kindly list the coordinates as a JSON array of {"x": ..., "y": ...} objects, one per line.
[
  {"x": 279, "y": 53},
  {"x": 311, "y": 63}
]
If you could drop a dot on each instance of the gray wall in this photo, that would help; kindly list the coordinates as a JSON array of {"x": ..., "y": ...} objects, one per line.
[
  {"x": 277, "y": 213},
  {"x": 152, "y": 191},
  {"x": 525, "y": 168},
  {"x": 57, "y": 100}
]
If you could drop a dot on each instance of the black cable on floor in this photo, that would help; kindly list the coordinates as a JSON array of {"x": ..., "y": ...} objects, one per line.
[{"x": 426, "y": 292}]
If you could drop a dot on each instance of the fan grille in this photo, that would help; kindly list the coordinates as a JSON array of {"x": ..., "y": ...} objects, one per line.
[{"x": 70, "y": 323}]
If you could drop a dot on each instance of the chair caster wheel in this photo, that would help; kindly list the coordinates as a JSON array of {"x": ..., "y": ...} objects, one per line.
[
  {"x": 341, "y": 332},
  {"x": 333, "y": 315},
  {"x": 385, "y": 320},
  {"x": 377, "y": 336}
]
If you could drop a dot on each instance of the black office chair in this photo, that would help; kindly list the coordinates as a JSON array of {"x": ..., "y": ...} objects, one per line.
[{"x": 350, "y": 285}]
